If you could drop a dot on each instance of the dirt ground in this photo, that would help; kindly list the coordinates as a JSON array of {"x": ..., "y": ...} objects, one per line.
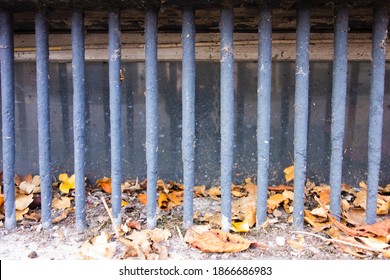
[{"x": 62, "y": 242}]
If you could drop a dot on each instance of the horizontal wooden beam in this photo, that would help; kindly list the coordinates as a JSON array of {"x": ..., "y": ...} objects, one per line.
[{"x": 207, "y": 47}]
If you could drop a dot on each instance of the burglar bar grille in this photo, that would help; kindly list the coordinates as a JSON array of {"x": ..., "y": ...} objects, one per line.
[{"x": 188, "y": 107}]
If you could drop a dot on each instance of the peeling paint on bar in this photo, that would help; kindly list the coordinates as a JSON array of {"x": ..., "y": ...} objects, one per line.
[
  {"x": 227, "y": 113},
  {"x": 301, "y": 110},
  {"x": 339, "y": 92},
  {"x": 114, "y": 52},
  {"x": 43, "y": 110},
  {"x": 78, "y": 73},
  {"x": 8, "y": 117},
  {"x": 188, "y": 107},
  {"x": 151, "y": 80},
  {"x": 381, "y": 21},
  {"x": 264, "y": 71}
]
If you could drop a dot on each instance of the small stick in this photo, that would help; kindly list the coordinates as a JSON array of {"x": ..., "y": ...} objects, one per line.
[
  {"x": 281, "y": 188},
  {"x": 180, "y": 235},
  {"x": 111, "y": 218},
  {"x": 341, "y": 242}
]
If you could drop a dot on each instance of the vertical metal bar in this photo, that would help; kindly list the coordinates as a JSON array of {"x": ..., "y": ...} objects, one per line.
[
  {"x": 151, "y": 80},
  {"x": 188, "y": 108},
  {"x": 79, "y": 115},
  {"x": 43, "y": 104},
  {"x": 301, "y": 110},
  {"x": 339, "y": 92},
  {"x": 8, "y": 116},
  {"x": 264, "y": 70},
  {"x": 114, "y": 53},
  {"x": 227, "y": 113},
  {"x": 381, "y": 20}
]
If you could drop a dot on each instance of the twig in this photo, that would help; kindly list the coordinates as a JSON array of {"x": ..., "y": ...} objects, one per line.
[
  {"x": 340, "y": 241},
  {"x": 180, "y": 235},
  {"x": 111, "y": 218},
  {"x": 281, "y": 188}
]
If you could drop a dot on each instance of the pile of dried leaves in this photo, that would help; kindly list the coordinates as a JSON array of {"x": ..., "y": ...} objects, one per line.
[{"x": 349, "y": 233}]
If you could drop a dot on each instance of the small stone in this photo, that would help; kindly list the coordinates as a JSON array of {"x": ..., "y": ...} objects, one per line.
[
  {"x": 33, "y": 255},
  {"x": 280, "y": 240}
]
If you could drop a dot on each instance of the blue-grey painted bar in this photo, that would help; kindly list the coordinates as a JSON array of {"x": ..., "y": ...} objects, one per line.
[
  {"x": 43, "y": 104},
  {"x": 114, "y": 53},
  {"x": 78, "y": 72},
  {"x": 264, "y": 70},
  {"x": 151, "y": 80},
  {"x": 339, "y": 91},
  {"x": 8, "y": 116},
  {"x": 381, "y": 21},
  {"x": 301, "y": 110},
  {"x": 188, "y": 107},
  {"x": 227, "y": 113}
]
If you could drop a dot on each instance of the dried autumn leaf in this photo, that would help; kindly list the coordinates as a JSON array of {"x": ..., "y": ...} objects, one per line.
[
  {"x": 360, "y": 199},
  {"x": 23, "y": 201},
  {"x": 1, "y": 199},
  {"x": 200, "y": 191},
  {"x": 20, "y": 214},
  {"x": 124, "y": 203},
  {"x": 63, "y": 216},
  {"x": 374, "y": 243},
  {"x": 386, "y": 254},
  {"x": 320, "y": 212},
  {"x": 17, "y": 180},
  {"x": 133, "y": 225},
  {"x": 28, "y": 178},
  {"x": 175, "y": 199},
  {"x": 238, "y": 191},
  {"x": 318, "y": 225},
  {"x": 105, "y": 184},
  {"x": 250, "y": 187},
  {"x": 67, "y": 183},
  {"x": 36, "y": 180},
  {"x": 289, "y": 173},
  {"x": 143, "y": 198},
  {"x": 62, "y": 202},
  {"x": 297, "y": 245},
  {"x": 98, "y": 248},
  {"x": 378, "y": 229},
  {"x": 143, "y": 241},
  {"x": 34, "y": 216},
  {"x": 216, "y": 241},
  {"x": 214, "y": 193},
  {"x": 240, "y": 226},
  {"x": 163, "y": 201},
  {"x": 355, "y": 216},
  {"x": 27, "y": 188},
  {"x": 274, "y": 202}
]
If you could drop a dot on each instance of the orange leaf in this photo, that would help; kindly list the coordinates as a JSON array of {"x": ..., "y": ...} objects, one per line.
[
  {"x": 105, "y": 184},
  {"x": 174, "y": 199},
  {"x": 1, "y": 199},
  {"x": 214, "y": 192},
  {"x": 250, "y": 187},
  {"x": 378, "y": 229},
  {"x": 143, "y": 198},
  {"x": 163, "y": 201},
  {"x": 274, "y": 201}
]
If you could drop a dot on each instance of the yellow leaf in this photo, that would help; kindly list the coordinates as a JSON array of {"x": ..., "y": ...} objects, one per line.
[
  {"x": 289, "y": 173},
  {"x": 105, "y": 184},
  {"x": 240, "y": 226},
  {"x": 67, "y": 183},
  {"x": 23, "y": 201},
  {"x": 124, "y": 203},
  {"x": 62, "y": 202},
  {"x": 20, "y": 213}
]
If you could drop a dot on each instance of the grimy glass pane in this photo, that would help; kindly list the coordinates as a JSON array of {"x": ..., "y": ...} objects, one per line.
[{"x": 207, "y": 147}]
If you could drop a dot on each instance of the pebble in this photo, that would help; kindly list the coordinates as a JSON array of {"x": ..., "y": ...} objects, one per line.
[
  {"x": 280, "y": 240},
  {"x": 33, "y": 255}
]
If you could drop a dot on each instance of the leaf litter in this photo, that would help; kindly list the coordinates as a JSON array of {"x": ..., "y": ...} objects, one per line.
[{"x": 274, "y": 239}]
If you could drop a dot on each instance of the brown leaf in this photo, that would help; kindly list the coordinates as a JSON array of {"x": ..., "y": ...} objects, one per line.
[
  {"x": 216, "y": 241},
  {"x": 62, "y": 202},
  {"x": 21, "y": 213},
  {"x": 105, "y": 184},
  {"x": 200, "y": 191},
  {"x": 28, "y": 178},
  {"x": 34, "y": 216},
  {"x": 274, "y": 201},
  {"x": 355, "y": 216},
  {"x": 130, "y": 252},
  {"x": 318, "y": 225},
  {"x": 134, "y": 225},
  {"x": 17, "y": 179},
  {"x": 289, "y": 173},
  {"x": 214, "y": 193},
  {"x": 250, "y": 187},
  {"x": 63, "y": 216},
  {"x": 378, "y": 229},
  {"x": 175, "y": 199},
  {"x": 297, "y": 245},
  {"x": 238, "y": 191}
]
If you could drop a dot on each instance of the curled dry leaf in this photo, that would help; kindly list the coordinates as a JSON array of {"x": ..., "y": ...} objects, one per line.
[
  {"x": 214, "y": 193},
  {"x": 62, "y": 217},
  {"x": 105, "y": 184},
  {"x": 274, "y": 202},
  {"x": 250, "y": 187},
  {"x": 98, "y": 248},
  {"x": 200, "y": 191},
  {"x": 27, "y": 188},
  {"x": 289, "y": 173},
  {"x": 34, "y": 216},
  {"x": 62, "y": 202},
  {"x": 36, "y": 180},
  {"x": 23, "y": 201},
  {"x": 133, "y": 225},
  {"x": 216, "y": 241}
]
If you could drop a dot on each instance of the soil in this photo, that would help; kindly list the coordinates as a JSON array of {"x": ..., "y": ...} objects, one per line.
[{"x": 62, "y": 242}]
